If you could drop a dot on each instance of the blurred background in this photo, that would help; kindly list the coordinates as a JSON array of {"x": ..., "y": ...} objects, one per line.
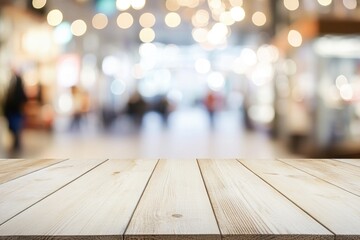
[{"x": 180, "y": 78}]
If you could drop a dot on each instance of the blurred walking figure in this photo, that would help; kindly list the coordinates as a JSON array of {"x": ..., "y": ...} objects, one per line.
[
  {"x": 15, "y": 99},
  {"x": 81, "y": 107}
]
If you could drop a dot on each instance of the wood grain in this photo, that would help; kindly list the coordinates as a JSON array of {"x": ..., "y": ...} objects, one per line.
[
  {"x": 336, "y": 209},
  {"x": 14, "y": 168},
  {"x": 338, "y": 173},
  {"x": 21, "y": 193},
  {"x": 99, "y": 204},
  {"x": 174, "y": 205},
  {"x": 245, "y": 206},
  {"x": 355, "y": 162}
]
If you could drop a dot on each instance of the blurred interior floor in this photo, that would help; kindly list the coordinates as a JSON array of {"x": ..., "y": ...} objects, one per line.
[{"x": 188, "y": 134}]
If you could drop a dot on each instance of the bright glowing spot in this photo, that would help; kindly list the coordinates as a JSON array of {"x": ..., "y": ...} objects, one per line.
[
  {"x": 117, "y": 87},
  {"x": 217, "y": 34},
  {"x": 216, "y": 81},
  {"x": 54, "y": 17},
  {"x": 294, "y": 38},
  {"x": 350, "y": 4},
  {"x": 172, "y": 19},
  {"x": 138, "y": 4},
  {"x": 68, "y": 70},
  {"x": 147, "y": 50},
  {"x": 262, "y": 113},
  {"x": 202, "y": 65},
  {"x": 65, "y": 103},
  {"x": 100, "y": 21},
  {"x": 341, "y": 81},
  {"x": 110, "y": 65},
  {"x": 147, "y": 35},
  {"x": 125, "y": 20},
  {"x": 123, "y": 5},
  {"x": 346, "y": 92},
  {"x": 172, "y": 5},
  {"x": 324, "y": 2},
  {"x": 259, "y": 18},
  {"x": 237, "y": 13},
  {"x": 38, "y": 3},
  {"x": 200, "y": 18},
  {"x": 78, "y": 27},
  {"x": 147, "y": 20},
  {"x": 248, "y": 56},
  {"x": 291, "y": 5},
  {"x": 226, "y": 18},
  {"x": 200, "y": 34},
  {"x": 88, "y": 76},
  {"x": 268, "y": 54},
  {"x": 62, "y": 33}
]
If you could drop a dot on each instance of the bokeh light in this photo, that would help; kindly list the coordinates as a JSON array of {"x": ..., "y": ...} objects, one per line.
[
  {"x": 54, "y": 17},
  {"x": 294, "y": 38},
  {"x": 78, "y": 27},
  {"x": 100, "y": 21},
  {"x": 147, "y": 20},
  {"x": 172, "y": 19},
  {"x": 125, "y": 20},
  {"x": 147, "y": 35},
  {"x": 259, "y": 18}
]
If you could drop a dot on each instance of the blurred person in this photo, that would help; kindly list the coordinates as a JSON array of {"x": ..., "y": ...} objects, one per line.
[
  {"x": 81, "y": 106},
  {"x": 14, "y": 102},
  {"x": 213, "y": 103},
  {"x": 136, "y": 108}
]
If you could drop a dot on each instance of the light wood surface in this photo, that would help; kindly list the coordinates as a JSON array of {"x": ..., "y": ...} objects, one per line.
[
  {"x": 14, "y": 168},
  {"x": 100, "y": 203},
  {"x": 335, "y": 208},
  {"x": 247, "y": 206},
  {"x": 335, "y": 172},
  {"x": 175, "y": 202},
  {"x": 355, "y": 162},
  {"x": 180, "y": 199},
  {"x": 19, "y": 194}
]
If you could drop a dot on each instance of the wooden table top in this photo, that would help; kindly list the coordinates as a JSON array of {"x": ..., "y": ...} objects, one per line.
[{"x": 182, "y": 199}]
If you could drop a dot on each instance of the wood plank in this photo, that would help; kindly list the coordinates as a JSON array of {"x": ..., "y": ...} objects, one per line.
[
  {"x": 247, "y": 207},
  {"x": 14, "y": 168},
  {"x": 338, "y": 173},
  {"x": 21, "y": 193},
  {"x": 175, "y": 202},
  {"x": 336, "y": 209},
  {"x": 97, "y": 205},
  {"x": 355, "y": 162}
]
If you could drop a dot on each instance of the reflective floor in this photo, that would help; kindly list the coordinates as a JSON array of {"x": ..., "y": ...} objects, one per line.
[{"x": 187, "y": 134}]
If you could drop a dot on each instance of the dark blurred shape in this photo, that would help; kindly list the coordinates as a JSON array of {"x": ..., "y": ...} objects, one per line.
[
  {"x": 136, "y": 108},
  {"x": 15, "y": 99},
  {"x": 81, "y": 107}
]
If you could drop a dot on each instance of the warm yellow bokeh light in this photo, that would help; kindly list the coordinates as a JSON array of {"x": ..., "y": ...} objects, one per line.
[
  {"x": 324, "y": 2},
  {"x": 294, "y": 38},
  {"x": 200, "y": 34},
  {"x": 226, "y": 18},
  {"x": 100, "y": 21},
  {"x": 200, "y": 18},
  {"x": 350, "y": 4},
  {"x": 291, "y": 5},
  {"x": 123, "y": 5},
  {"x": 147, "y": 20},
  {"x": 138, "y": 4},
  {"x": 147, "y": 35},
  {"x": 78, "y": 27},
  {"x": 237, "y": 13},
  {"x": 172, "y": 5},
  {"x": 172, "y": 19},
  {"x": 125, "y": 20},
  {"x": 188, "y": 3},
  {"x": 38, "y": 3},
  {"x": 54, "y": 17},
  {"x": 259, "y": 18}
]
